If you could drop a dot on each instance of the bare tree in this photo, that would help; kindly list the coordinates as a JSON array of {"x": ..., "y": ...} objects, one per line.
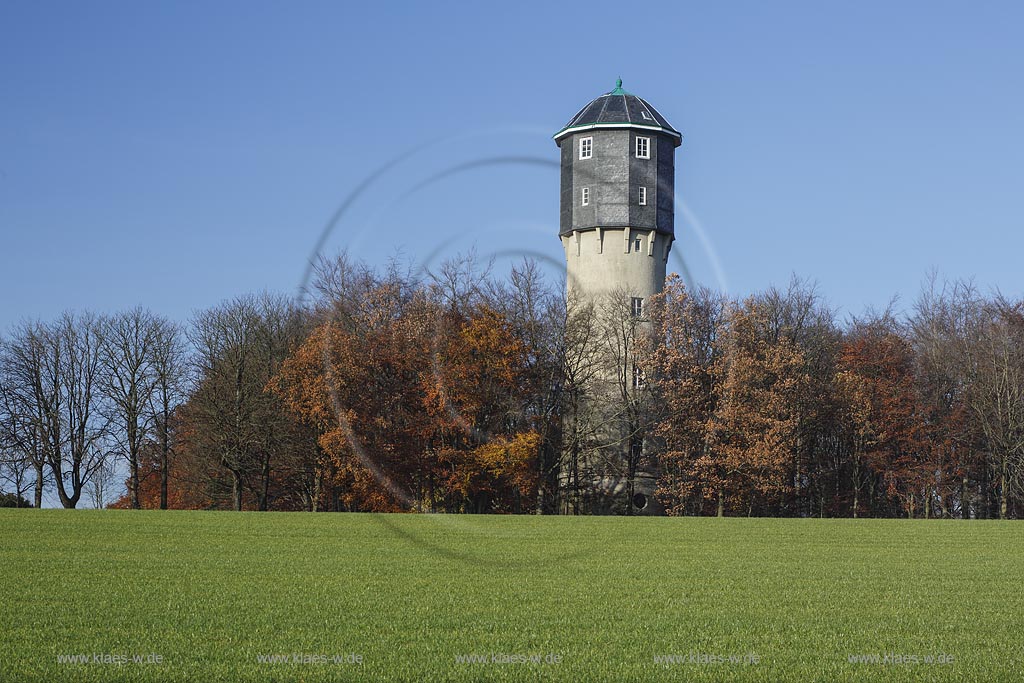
[
  {"x": 22, "y": 460},
  {"x": 52, "y": 377},
  {"x": 170, "y": 390},
  {"x": 944, "y": 331},
  {"x": 973, "y": 348},
  {"x": 78, "y": 437},
  {"x": 16, "y": 472},
  {"x": 239, "y": 347},
  {"x": 99, "y": 488},
  {"x": 624, "y": 330},
  {"x": 128, "y": 383},
  {"x": 580, "y": 423},
  {"x": 224, "y": 400},
  {"x": 607, "y": 412},
  {"x": 996, "y": 396},
  {"x": 282, "y": 326}
]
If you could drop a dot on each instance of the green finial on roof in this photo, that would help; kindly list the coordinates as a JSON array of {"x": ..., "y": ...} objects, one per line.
[{"x": 618, "y": 88}]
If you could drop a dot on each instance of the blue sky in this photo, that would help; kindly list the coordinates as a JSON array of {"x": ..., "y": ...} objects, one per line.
[{"x": 176, "y": 154}]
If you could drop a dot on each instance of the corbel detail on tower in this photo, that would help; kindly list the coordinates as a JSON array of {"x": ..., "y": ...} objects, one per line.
[
  {"x": 600, "y": 240},
  {"x": 576, "y": 236},
  {"x": 650, "y": 242},
  {"x": 626, "y": 231}
]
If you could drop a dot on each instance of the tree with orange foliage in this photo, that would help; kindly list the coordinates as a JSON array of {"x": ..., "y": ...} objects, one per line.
[
  {"x": 754, "y": 428},
  {"x": 416, "y": 396},
  {"x": 730, "y": 389},
  {"x": 683, "y": 359},
  {"x": 475, "y": 399}
]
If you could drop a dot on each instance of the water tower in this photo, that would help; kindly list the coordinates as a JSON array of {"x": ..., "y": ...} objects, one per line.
[{"x": 617, "y": 228}]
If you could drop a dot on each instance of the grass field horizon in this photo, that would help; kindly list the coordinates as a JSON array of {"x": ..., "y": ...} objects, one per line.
[{"x": 415, "y": 597}]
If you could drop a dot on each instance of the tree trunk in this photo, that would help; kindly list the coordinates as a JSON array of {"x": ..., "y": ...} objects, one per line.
[
  {"x": 264, "y": 497},
  {"x": 986, "y": 504},
  {"x": 68, "y": 501},
  {"x": 315, "y": 502},
  {"x": 165, "y": 454},
  {"x": 39, "y": 485},
  {"x": 164, "y": 476},
  {"x": 721, "y": 503},
  {"x": 236, "y": 490},
  {"x": 965, "y": 503},
  {"x": 134, "y": 483},
  {"x": 1002, "y": 493}
]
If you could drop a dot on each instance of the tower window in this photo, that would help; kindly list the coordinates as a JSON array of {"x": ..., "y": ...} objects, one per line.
[
  {"x": 637, "y": 306},
  {"x": 643, "y": 196},
  {"x": 643, "y": 148},
  {"x": 638, "y": 377},
  {"x": 637, "y": 245},
  {"x": 586, "y": 148},
  {"x": 586, "y": 196}
]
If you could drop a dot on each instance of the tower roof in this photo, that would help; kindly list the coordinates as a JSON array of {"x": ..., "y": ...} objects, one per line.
[{"x": 618, "y": 109}]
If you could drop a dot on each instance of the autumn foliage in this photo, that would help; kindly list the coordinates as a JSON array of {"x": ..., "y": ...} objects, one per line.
[{"x": 455, "y": 392}]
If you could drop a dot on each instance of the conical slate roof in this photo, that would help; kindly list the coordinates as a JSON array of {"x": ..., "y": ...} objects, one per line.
[{"x": 618, "y": 109}]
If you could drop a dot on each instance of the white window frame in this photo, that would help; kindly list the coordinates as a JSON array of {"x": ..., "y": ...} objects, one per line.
[
  {"x": 637, "y": 306},
  {"x": 585, "y": 197},
  {"x": 643, "y": 148},
  {"x": 638, "y": 377},
  {"x": 638, "y": 245},
  {"x": 587, "y": 147},
  {"x": 643, "y": 196}
]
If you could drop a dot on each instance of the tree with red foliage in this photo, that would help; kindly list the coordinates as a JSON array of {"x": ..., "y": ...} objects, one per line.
[{"x": 892, "y": 450}]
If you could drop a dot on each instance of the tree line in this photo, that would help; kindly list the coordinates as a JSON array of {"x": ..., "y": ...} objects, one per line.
[
  {"x": 773, "y": 408},
  {"x": 459, "y": 390}
]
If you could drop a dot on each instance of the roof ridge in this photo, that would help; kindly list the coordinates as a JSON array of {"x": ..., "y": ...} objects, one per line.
[
  {"x": 604, "y": 107},
  {"x": 596, "y": 115},
  {"x": 657, "y": 113},
  {"x": 579, "y": 113}
]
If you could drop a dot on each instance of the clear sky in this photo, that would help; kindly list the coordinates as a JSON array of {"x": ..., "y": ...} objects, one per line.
[{"x": 175, "y": 154}]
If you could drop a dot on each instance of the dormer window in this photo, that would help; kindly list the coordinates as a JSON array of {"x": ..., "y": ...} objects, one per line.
[
  {"x": 643, "y": 148},
  {"x": 586, "y": 196},
  {"x": 643, "y": 196},
  {"x": 586, "y": 148}
]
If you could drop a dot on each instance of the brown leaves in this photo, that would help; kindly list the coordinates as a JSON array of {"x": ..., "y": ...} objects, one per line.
[{"x": 414, "y": 405}]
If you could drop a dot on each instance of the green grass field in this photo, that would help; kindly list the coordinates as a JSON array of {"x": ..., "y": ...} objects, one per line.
[{"x": 212, "y": 593}]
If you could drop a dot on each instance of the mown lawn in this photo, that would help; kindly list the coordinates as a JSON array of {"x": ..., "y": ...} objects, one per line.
[{"x": 211, "y": 593}]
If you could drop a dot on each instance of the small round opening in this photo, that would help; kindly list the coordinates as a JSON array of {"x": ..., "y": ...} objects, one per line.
[{"x": 639, "y": 501}]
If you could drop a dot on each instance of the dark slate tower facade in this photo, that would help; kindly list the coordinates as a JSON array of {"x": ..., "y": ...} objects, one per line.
[
  {"x": 617, "y": 227},
  {"x": 615, "y": 124}
]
